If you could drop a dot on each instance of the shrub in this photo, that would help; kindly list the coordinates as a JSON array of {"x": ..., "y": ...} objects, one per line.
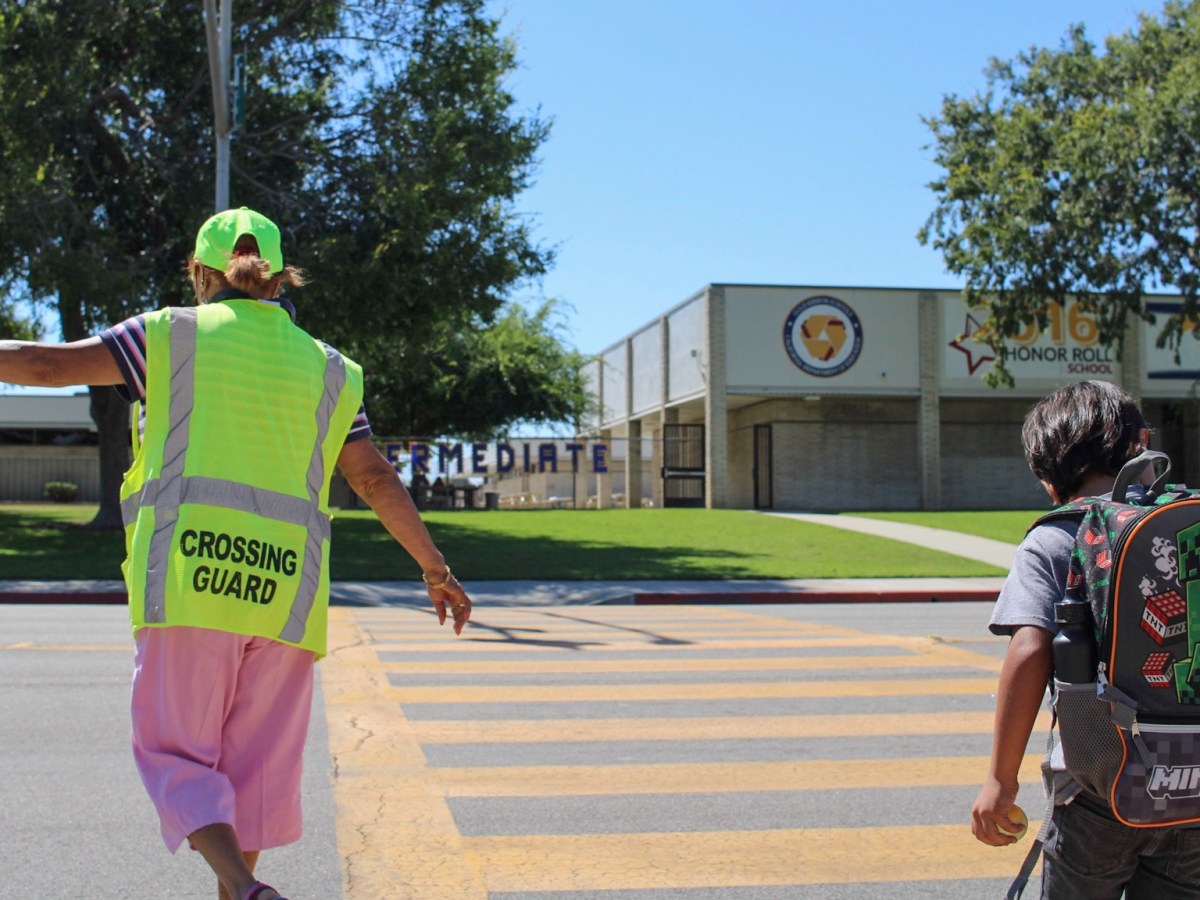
[{"x": 61, "y": 491}]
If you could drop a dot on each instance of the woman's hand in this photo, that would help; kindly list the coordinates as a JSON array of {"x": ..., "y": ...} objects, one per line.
[{"x": 448, "y": 597}]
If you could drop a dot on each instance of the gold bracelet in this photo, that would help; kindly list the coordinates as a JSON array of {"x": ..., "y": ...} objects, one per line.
[{"x": 445, "y": 581}]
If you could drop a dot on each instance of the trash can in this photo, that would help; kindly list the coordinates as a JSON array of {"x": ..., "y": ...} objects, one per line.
[{"x": 491, "y": 500}]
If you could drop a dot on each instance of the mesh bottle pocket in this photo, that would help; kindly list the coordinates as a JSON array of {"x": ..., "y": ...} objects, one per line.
[{"x": 1091, "y": 743}]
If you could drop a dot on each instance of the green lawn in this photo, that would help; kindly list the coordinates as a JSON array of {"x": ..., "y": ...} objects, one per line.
[
  {"x": 48, "y": 541},
  {"x": 1000, "y": 525}
]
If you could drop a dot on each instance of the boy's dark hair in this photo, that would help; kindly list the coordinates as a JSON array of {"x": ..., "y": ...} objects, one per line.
[{"x": 1085, "y": 428}]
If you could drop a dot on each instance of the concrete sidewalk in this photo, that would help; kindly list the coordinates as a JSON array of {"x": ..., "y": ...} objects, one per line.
[
  {"x": 996, "y": 553},
  {"x": 575, "y": 593}
]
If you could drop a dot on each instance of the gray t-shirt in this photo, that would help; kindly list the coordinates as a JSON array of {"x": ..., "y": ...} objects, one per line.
[
  {"x": 1038, "y": 576},
  {"x": 1037, "y": 579}
]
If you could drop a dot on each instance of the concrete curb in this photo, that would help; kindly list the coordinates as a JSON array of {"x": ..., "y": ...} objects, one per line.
[
  {"x": 815, "y": 596},
  {"x": 581, "y": 593}
]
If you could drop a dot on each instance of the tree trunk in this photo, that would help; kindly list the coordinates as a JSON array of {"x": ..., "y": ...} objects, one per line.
[{"x": 111, "y": 415}]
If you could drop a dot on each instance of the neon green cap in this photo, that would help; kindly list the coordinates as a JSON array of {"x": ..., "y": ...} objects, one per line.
[{"x": 219, "y": 235}]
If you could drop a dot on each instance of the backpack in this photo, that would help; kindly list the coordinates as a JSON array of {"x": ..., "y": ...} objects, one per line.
[{"x": 1133, "y": 735}]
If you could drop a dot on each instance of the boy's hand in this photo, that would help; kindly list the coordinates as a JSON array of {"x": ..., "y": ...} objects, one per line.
[
  {"x": 1023, "y": 677},
  {"x": 991, "y": 809}
]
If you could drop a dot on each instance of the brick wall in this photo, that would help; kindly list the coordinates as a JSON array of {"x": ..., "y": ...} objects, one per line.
[
  {"x": 832, "y": 454},
  {"x": 862, "y": 454},
  {"x": 983, "y": 464}
]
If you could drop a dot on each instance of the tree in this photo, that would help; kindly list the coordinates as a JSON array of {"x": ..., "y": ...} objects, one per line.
[
  {"x": 1076, "y": 173},
  {"x": 478, "y": 382},
  {"x": 377, "y": 133},
  {"x": 407, "y": 288}
]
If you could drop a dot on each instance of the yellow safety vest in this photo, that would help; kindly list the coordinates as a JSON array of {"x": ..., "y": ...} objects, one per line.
[{"x": 226, "y": 511}]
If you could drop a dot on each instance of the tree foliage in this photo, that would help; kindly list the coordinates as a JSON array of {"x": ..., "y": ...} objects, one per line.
[
  {"x": 476, "y": 378},
  {"x": 379, "y": 135},
  {"x": 421, "y": 270},
  {"x": 1076, "y": 173}
]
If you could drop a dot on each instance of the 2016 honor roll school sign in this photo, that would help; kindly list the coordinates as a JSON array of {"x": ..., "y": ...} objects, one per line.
[
  {"x": 868, "y": 340},
  {"x": 427, "y": 456},
  {"x": 1069, "y": 349}
]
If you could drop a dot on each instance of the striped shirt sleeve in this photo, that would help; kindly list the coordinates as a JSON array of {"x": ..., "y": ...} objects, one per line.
[
  {"x": 127, "y": 344},
  {"x": 361, "y": 427}
]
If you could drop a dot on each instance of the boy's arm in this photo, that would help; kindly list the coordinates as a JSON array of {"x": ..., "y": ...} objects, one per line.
[{"x": 1023, "y": 679}]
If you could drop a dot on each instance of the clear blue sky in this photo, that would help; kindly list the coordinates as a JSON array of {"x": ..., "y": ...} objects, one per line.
[{"x": 757, "y": 141}]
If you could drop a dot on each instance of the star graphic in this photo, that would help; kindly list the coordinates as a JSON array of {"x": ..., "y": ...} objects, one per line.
[{"x": 977, "y": 354}]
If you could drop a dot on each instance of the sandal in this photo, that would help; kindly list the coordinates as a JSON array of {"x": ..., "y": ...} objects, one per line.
[{"x": 256, "y": 891}]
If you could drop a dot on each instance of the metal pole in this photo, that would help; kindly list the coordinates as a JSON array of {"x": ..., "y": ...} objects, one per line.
[{"x": 219, "y": 33}]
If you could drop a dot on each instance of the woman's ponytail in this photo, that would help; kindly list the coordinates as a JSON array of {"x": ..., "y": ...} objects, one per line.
[{"x": 247, "y": 272}]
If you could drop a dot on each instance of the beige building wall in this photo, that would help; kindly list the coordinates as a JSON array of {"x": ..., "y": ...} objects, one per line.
[
  {"x": 830, "y": 454},
  {"x": 862, "y": 454},
  {"x": 687, "y": 355},
  {"x": 983, "y": 464},
  {"x": 741, "y": 461}
]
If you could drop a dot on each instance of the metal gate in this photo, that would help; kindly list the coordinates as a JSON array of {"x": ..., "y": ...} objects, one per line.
[
  {"x": 683, "y": 465},
  {"x": 763, "y": 498}
]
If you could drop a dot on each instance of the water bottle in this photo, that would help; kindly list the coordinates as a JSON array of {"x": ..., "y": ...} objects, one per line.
[{"x": 1075, "y": 653}]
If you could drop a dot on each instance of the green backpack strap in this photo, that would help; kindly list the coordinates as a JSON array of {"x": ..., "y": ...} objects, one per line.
[{"x": 1076, "y": 509}]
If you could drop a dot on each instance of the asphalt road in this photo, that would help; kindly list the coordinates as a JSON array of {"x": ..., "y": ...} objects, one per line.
[
  {"x": 75, "y": 818},
  {"x": 556, "y": 753}
]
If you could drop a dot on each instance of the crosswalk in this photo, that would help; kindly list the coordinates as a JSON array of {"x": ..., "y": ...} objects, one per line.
[{"x": 657, "y": 753}]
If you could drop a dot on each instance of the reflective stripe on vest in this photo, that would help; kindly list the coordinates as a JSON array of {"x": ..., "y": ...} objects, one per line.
[
  {"x": 318, "y": 521},
  {"x": 171, "y": 489}
]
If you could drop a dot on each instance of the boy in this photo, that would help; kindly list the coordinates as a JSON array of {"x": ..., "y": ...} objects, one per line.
[{"x": 1075, "y": 440}]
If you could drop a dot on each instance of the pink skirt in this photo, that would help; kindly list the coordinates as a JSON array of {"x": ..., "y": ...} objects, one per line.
[{"x": 219, "y": 723}]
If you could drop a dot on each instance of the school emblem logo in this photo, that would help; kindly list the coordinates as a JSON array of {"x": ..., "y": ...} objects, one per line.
[{"x": 823, "y": 336}]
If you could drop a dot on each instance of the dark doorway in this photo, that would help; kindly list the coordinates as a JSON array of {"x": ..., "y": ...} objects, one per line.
[
  {"x": 763, "y": 497},
  {"x": 683, "y": 465}
]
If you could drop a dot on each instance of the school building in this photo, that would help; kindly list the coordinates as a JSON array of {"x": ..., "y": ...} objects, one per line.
[
  {"x": 834, "y": 398},
  {"x": 761, "y": 397}
]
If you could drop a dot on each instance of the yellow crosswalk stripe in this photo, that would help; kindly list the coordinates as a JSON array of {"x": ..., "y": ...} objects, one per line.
[
  {"x": 480, "y": 634},
  {"x": 595, "y": 666},
  {"x": 690, "y": 778},
  {"x": 711, "y": 691},
  {"x": 661, "y": 861},
  {"x": 551, "y": 644},
  {"x": 666, "y": 664},
  {"x": 506, "y": 731}
]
